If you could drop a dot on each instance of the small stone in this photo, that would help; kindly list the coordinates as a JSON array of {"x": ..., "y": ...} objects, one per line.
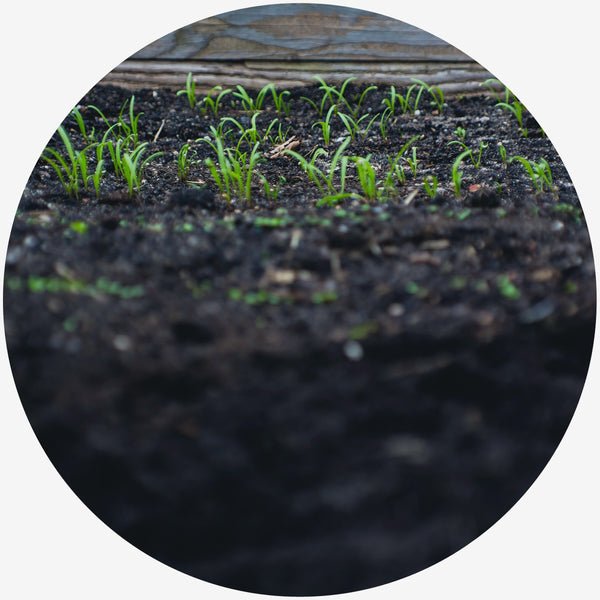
[
  {"x": 353, "y": 350},
  {"x": 122, "y": 343},
  {"x": 396, "y": 310}
]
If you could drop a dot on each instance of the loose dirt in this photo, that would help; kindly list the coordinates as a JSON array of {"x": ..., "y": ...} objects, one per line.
[{"x": 290, "y": 399}]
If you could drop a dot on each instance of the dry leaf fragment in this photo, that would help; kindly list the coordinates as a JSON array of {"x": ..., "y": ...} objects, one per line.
[{"x": 292, "y": 144}]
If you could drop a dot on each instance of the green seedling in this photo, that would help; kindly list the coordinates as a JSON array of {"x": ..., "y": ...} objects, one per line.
[
  {"x": 71, "y": 167},
  {"x": 271, "y": 192},
  {"x": 502, "y": 152},
  {"x": 279, "y": 100},
  {"x": 460, "y": 133},
  {"x": 430, "y": 184},
  {"x": 403, "y": 101},
  {"x": 371, "y": 187},
  {"x": 457, "y": 175},
  {"x": 359, "y": 101},
  {"x": 324, "y": 180},
  {"x": 233, "y": 170},
  {"x": 476, "y": 161},
  {"x": 252, "y": 105},
  {"x": 126, "y": 131},
  {"x": 539, "y": 173},
  {"x": 189, "y": 91},
  {"x": 251, "y": 134},
  {"x": 383, "y": 122},
  {"x": 507, "y": 288},
  {"x": 208, "y": 101},
  {"x": 88, "y": 137},
  {"x": 516, "y": 108},
  {"x": 132, "y": 166},
  {"x": 434, "y": 91},
  {"x": 395, "y": 170},
  {"x": 492, "y": 83},
  {"x": 325, "y": 126},
  {"x": 281, "y": 136},
  {"x": 412, "y": 162},
  {"x": 352, "y": 125},
  {"x": 184, "y": 162}
]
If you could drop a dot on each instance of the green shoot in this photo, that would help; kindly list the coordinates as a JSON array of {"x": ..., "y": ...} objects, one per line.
[
  {"x": 280, "y": 104},
  {"x": 476, "y": 161},
  {"x": 271, "y": 192},
  {"x": 460, "y": 133},
  {"x": 516, "y": 108},
  {"x": 434, "y": 91},
  {"x": 132, "y": 167},
  {"x": 412, "y": 162},
  {"x": 88, "y": 137},
  {"x": 430, "y": 184},
  {"x": 252, "y": 105},
  {"x": 325, "y": 126},
  {"x": 69, "y": 167},
  {"x": 383, "y": 122},
  {"x": 184, "y": 162},
  {"x": 539, "y": 173},
  {"x": 395, "y": 168},
  {"x": 214, "y": 104},
  {"x": 508, "y": 95},
  {"x": 458, "y": 175},
  {"x": 189, "y": 91},
  {"x": 371, "y": 188},
  {"x": 324, "y": 180},
  {"x": 352, "y": 125}
]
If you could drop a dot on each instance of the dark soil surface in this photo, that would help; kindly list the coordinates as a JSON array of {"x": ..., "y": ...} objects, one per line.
[{"x": 299, "y": 400}]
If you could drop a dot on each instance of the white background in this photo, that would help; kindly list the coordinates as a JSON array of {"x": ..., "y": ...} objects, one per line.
[{"x": 52, "y": 547}]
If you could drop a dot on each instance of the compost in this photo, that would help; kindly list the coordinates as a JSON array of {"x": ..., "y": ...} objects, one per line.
[{"x": 293, "y": 398}]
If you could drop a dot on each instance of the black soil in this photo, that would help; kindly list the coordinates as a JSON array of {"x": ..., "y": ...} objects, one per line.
[{"x": 290, "y": 399}]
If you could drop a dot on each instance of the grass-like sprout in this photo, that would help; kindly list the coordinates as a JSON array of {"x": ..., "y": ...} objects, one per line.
[
  {"x": 430, "y": 184},
  {"x": 324, "y": 180},
  {"x": 516, "y": 108},
  {"x": 371, "y": 187},
  {"x": 128, "y": 131},
  {"x": 252, "y": 105},
  {"x": 395, "y": 169},
  {"x": 402, "y": 101},
  {"x": 412, "y": 162},
  {"x": 457, "y": 175},
  {"x": 233, "y": 170},
  {"x": 476, "y": 161},
  {"x": 508, "y": 95},
  {"x": 251, "y": 134},
  {"x": 132, "y": 166},
  {"x": 383, "y": 122},
  {"x": 184, "y": 162},
  {"x": 189, "y": 91},
  {"x": 352, "y": 124},
  {"x": 460, "y": 133},
  {"x": 325, "y": 126},
  {"x": 208, "y": 101},
  {"x": 539, "y": 173},
  {"x": 70, "y": 167},
  {"x": 89, "y": 137},
  {"x": 433, "y": 90},
  {"x": 279, "y": 100},
  {"x": 281, "y": 136},
  {"x": 271, "y": 192}
]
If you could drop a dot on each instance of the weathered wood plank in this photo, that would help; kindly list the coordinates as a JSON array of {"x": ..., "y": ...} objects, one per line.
[
  {"x": 300, "y": 32},
  {"x": 136, "y": 74}
]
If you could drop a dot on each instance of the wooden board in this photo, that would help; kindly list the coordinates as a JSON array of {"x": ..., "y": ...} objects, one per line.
[
  {"x": 300, "y": 32},
  {"x": 287, "y": 44},
  {"x": 451, "y": 77}
]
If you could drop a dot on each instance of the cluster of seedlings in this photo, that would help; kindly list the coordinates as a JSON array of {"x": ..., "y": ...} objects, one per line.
[{"x": 239, "y": 144}]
